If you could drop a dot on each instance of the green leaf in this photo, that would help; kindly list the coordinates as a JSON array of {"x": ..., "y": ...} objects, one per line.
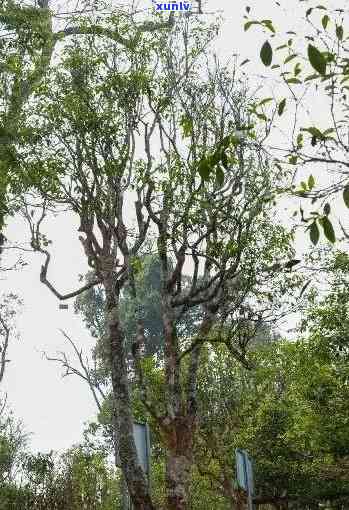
[
  {"x": 325, "y": 21},
  {"x": 329, "y": 57},
  {"x": 290, "y": 57},
  {"x": 339, "y": 32},
  {"x": 215, "y": 158},
  {"x": 265, "y": 101},
  {"x": 266, "y": 54},
  {"x": 261, "y": 116},
  {"x": 314, "y": 233},
  {"x": 311, "y": 182},
  {"x": 314, "y": 131},
  {"x": 328, "y": 229},
  {"x": 328, "y": 131},
  {"x": 327, "y": 209},
  {"x": 281, "y": 106},
  {"x": 311, "y": 77},
  {"x": 224, "y": 160},
  {"x": 316, "y": 59},
  {"x": 187, "y": 126},
  {"x": 220, "y": 176},
  {"x": 297, "y": 69},
  {"x": 249, "y": 24},
  {"x": 204, "y": 169},
  {"x": 269, "y": 24},
  {"x": 346, "y": 196},
  {"x": 293, "y": 80}
]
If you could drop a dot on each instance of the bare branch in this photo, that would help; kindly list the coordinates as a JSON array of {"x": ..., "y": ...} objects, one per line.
[
  {"x": 62, "y": 297},
  {"x": 85, "y": 374},
  {"x": 3, "y": 405}
]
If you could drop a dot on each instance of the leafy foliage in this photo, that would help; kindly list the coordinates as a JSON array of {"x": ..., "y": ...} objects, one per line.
[
  {"x": 289, "y": 413},
  {"x": 325, "y": 53}
]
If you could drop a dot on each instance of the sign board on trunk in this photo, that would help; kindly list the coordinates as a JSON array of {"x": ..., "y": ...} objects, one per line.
[
  {"x": 142, "y": 440},
  {"x": 244, "y": 474}
]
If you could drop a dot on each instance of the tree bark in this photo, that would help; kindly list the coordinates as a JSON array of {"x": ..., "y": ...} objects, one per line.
[
  {"x": 135, "y": 478},
  {"x": 179, "y": 462},
  {"x": 178, "y": 425}
]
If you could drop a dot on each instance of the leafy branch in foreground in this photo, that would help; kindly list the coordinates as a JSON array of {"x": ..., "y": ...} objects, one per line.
[{"x": 323, "y": 68}]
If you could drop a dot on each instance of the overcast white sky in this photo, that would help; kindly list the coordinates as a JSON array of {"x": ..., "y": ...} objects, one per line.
[{"x": 52, "y": 408}]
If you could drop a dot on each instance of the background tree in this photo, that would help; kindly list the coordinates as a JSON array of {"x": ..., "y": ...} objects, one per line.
[
  {"x": 8, "y": 310},
  {"x": 75, "y": 479},
  {"x": 326, "y": 317},
  {"x": 289, "y": 413}
]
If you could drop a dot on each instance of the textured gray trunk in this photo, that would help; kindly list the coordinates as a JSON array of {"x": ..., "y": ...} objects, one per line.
[
  {"x": 181, "y": 416},
  {"x": 179, "y": 462},
  {"x": 135, "y": 478},
  {"x": 178, "y": 476}
]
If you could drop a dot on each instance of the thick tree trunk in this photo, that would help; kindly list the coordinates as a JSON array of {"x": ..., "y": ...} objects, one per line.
[
  {"x": 182, "y": 413},
  {"x": 179, "y": 463},
  {"x": 178, "y": 473},
  {"x": 135, "y": 478}
]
